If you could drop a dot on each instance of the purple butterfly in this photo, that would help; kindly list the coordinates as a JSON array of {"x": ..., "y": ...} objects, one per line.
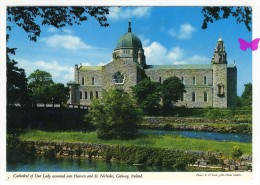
[{"x": 244, "y": 44}]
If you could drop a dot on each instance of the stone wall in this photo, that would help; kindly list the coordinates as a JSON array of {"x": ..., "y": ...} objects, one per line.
[
  {"x": 128, "y": 68},
  {"x": 187, "y": 124},
  {"x": 220, "y": 78},
  {"x": 112, "y": 153}
]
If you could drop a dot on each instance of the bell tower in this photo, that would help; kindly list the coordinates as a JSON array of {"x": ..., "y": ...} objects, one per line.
[
  {"x": 220, "y": 54},
  {"x": 220, "y": 88}
]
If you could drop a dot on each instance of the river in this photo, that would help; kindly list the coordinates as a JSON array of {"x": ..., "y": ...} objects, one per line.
[
  {"x": 41, "y": 164},
  {"x": 203, "y": 135}
]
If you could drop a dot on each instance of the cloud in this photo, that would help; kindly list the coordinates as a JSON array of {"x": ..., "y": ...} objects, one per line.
[
  {"x": 66, "y": 41},
  {"x": 60, "y": 73},
  {"x": 157, "y": 54},
  {"x": 185, "y": 32},
  {"x": 176, "y": 53},
  {"x": 55, "y": 30},
  {"x": 117, "y": 13}
]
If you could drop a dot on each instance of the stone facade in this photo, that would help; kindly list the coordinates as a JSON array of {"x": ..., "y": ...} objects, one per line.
[{"x": 207, "y": 85}]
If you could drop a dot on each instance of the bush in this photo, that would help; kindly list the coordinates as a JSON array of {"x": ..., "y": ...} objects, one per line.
[
  {"x": 115, "y": 115},
  {"x": 17, "y": 151},
  {"x": 236, "y": 152}
]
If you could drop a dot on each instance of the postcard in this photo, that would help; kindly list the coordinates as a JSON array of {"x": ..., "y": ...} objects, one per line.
[{"x": 129, "y": 92}]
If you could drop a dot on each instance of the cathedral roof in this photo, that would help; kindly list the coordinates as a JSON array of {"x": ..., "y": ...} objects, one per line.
[
  {"x": 185, "y": 66},
  {"x": 129, "y": 40},
  {"x": 90, "y": 68}
]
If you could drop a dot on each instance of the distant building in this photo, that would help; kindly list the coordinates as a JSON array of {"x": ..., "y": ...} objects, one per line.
[{"x": 206, "y": 85}]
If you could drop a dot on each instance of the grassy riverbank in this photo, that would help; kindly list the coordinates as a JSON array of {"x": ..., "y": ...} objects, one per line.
[{"x": 161, "y": 141}]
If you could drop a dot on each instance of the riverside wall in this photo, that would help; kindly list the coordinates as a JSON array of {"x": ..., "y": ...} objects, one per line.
[
  {"x": 187, "y": 124},
  {"x": 142, "y": 155}
]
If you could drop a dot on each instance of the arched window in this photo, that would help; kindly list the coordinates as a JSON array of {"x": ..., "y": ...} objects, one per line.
[
  {"x": 194, "y": 80},
  {"x": 82, "y": 81},
  {"x": 205, "y": 97},
  {"x": 80, "y": 95},
  {"x": 160, "y": 79},
  {"x": 205, "y": 80},
  {"x": 193, "y": 96},
  {"x": 181, "y": 98},
  {"x": 96, "y": 94},
  {"x": 86, "y": 95},
  {"x": 220, "y": 90},
  {"x": 182, "y": 79},
  {"x": 93, "y": 81}
]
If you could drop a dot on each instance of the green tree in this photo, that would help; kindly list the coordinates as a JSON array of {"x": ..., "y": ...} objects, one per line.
[
  {"x": 172, "y": 89},
  {"x": 17, "y": 83},
  {"x": 39, "y": 83},
  {"x": 44, "y": 90},
  {"x": 247, "y": 94},
  {"x": 39, "y": 78},
  {"x": 59, "y": 93},
  {"x": 148, "y": 95},
  {"x": 241, "y": 14},
  {"x": 31, "y": 18},
  {"x": 115, "y": 115}
]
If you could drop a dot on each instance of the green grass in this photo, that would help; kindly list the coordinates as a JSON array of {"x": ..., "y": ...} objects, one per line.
[{"x": 162, "y": 141}]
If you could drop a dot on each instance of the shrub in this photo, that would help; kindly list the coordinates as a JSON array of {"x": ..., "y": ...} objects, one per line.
[
  {"x": 236, "y": 152},
  {"x": 115, "y": 115}
]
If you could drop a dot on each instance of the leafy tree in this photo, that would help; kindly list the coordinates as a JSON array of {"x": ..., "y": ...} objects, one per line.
[
  {"x": 59, "y": 93},
  {"x": 148, "y": 95},
  {"x": 115, "y": 115},
  {"x": 44, "y": 90},
  {"x": 17, "y": 83},
  {"x": 247, "y": 94},
  {"x": 246, "y": 99},
  {"x": 172, "y": 88},
  {"x": 39, "y": 78},
  {"x": 242, "y": 15},
  {"x": 30, "y": 18}
]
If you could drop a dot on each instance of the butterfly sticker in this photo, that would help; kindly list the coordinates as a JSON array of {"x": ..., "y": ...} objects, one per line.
[{"x": 253, "y": 45}]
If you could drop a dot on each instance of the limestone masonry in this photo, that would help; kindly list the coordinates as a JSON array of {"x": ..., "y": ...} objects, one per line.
[{"x": 206, "y": 85}]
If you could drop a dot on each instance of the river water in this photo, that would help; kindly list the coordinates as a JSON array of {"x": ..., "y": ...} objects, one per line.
[
  {"x": 203, "y": 135},
  {"x": 41, "y": 164}
]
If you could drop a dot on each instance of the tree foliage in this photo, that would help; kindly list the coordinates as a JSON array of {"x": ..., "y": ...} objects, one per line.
[
  {"x": 148, "y": 95},
  {"x": 246, "y": 99},
  {"x": 172, "y": 89},
  {"x": 31, "y": 18},
  {"x": 241, "y": 14},
  {"x": 247, "y": 94},
  {"x": 39, "y": 78},
  {"x": 44, "y": 90},
  {"x": 115, "y": 115},
  {"x": 17, "y": 83}
]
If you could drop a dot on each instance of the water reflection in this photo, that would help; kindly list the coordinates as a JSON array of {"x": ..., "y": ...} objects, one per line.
[{"x": 41, "y": 164}]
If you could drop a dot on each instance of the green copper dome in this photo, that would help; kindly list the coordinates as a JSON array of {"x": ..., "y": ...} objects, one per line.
[{"x": 129, "y": 40}]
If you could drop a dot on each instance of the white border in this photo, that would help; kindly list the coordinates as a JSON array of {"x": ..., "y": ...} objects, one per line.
[{"x": 256, "y": 75}]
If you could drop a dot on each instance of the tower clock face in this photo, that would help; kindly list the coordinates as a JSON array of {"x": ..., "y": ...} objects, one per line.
[{"x": 118, "y": 78}]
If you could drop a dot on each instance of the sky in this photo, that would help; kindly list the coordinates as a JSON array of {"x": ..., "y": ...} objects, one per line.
[{"x": 170, "y": 35}]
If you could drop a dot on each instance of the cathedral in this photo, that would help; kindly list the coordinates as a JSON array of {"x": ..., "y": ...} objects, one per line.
[{"x": 206, "y": 85}]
